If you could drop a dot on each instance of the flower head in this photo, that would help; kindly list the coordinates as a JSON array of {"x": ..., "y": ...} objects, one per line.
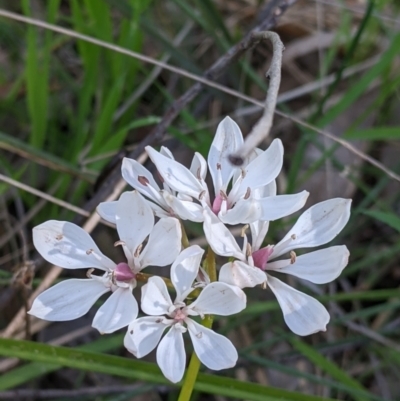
[
  {"x": 143, "y": 335},
  {"x": 69, "y": 246},
  {"x": 241, "y": 194},
  {"x": 316, "y": 226}
]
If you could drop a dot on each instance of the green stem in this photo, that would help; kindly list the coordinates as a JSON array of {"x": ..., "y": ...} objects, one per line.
[
  {"x": 185, "y": 240},
  {"x": 210, "y": 265},
  {"x": 190, "y": 378},
  {"x": 194, "y": 364}
]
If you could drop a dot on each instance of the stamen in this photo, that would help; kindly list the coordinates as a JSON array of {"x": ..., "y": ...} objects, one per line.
[
  {"x": 201, "y": 194},
  {"x": 89, "y": 273},
  {"x": 199, "y": 174},
  {"x": 143, "y": 180},
  {"x": 293, "y": 236},
  {"x": 218, "y": 166},
  {"x": 138, "y": 250},
  {"x": 247, "y": 194},
  {"x": 120, "y": 242},
  {"x": 292, "y": 257},
  {"x": 244, "y": 229},
  {"x": 248, "y": 250}
]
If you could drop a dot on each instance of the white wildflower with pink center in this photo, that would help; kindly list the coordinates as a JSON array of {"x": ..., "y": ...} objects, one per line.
[
  {"x": 185, "y": 192},
  {"x": 66, "y": 245},
  {"x": 316, "y": 226},
  {"x": 214, "y": 350}
]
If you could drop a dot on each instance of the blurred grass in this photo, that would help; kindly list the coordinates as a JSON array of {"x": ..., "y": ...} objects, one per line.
[{"x": 64, "y": 114}]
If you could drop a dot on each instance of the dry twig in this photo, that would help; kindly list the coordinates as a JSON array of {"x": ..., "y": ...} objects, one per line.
[{"x": 264, "y": 124}]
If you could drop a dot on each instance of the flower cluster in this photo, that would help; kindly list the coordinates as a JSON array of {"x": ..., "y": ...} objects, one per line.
[{"x": 246, "y": 196}]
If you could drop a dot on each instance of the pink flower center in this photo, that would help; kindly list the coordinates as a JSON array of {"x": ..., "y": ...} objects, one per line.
[
  {"x": 261, "y": 256},
  {"x": 179, "y": 315},
  {"x": 216, "y": 206},
  {"x": 123, "y": 272}
]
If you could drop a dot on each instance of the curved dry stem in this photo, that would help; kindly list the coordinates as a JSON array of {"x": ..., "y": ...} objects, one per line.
[{"x": 264, "y": 124}]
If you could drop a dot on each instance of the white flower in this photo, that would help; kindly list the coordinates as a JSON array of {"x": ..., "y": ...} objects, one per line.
[
  {"x": 164, "y": 202},
  {"x": 316, "y": 226},
  {"x": 185, "y": 189},
  {"x": 214, "y": 350},
  {"x": 69, "y": 246}
]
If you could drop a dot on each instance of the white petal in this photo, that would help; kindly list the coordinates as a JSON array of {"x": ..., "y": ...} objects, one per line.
[
  {"x": 319, "y": 267},
  {"x": 133, "y": 173},
  {"x": 66, "y": 245},
  {"x": 245, "y": 211},
  {"x": 135, "y": 219},
  {"x": 143, "y": 335},
  {"x": 259, "y": 228},
  {"x": 241, "y": 274},
  {"x": 171, "y": 356},
  {"x": 107, "y": 211},
  {"x": 316, "y": 226},
  {"x": 166, "y": 152},
  {"x": 199, "y": 167},
  {"x": 219, "y": 237},
  {"x": 175, "y": 174},
  {"x": 214, "y": 351},
  {"x": 263, "y": 169},
  {"x": 186, "y": 210},
  {"x": 265, "y": 191},
  {"x": 164, "y": 243},
  {"x": 118, "y": 311},
  {"x": 155, "y": 297},
  {"x": 184, "y": 270},
  {"x": 227, "y": 140},
  {"x": 158, "y": 211},
  {"x": 276, "y": 207},
  {"x": 303, "y": 314},
  {"x": 219, "y": 299},
  {"x": 68, "y": 300}
]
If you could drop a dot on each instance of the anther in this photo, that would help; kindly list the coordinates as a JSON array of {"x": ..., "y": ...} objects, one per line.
[
  {"x": 293, "y": 236},
  {"x": 292, "y": 257},
  {"x": 248, "y": 250},
  {"x": 138, "y": 250},
  {"x": 120, "y": 242},
  {"x": 89, "y": 273},
  {"x": 224, "y": 196},
  {"x": 218, "y": 166},
  {"x": 247, "y": 194},
  {"x": 244, "y": 229},
  {"x": 143, "y": 180},
  {"x": 199, "y": 173}
]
